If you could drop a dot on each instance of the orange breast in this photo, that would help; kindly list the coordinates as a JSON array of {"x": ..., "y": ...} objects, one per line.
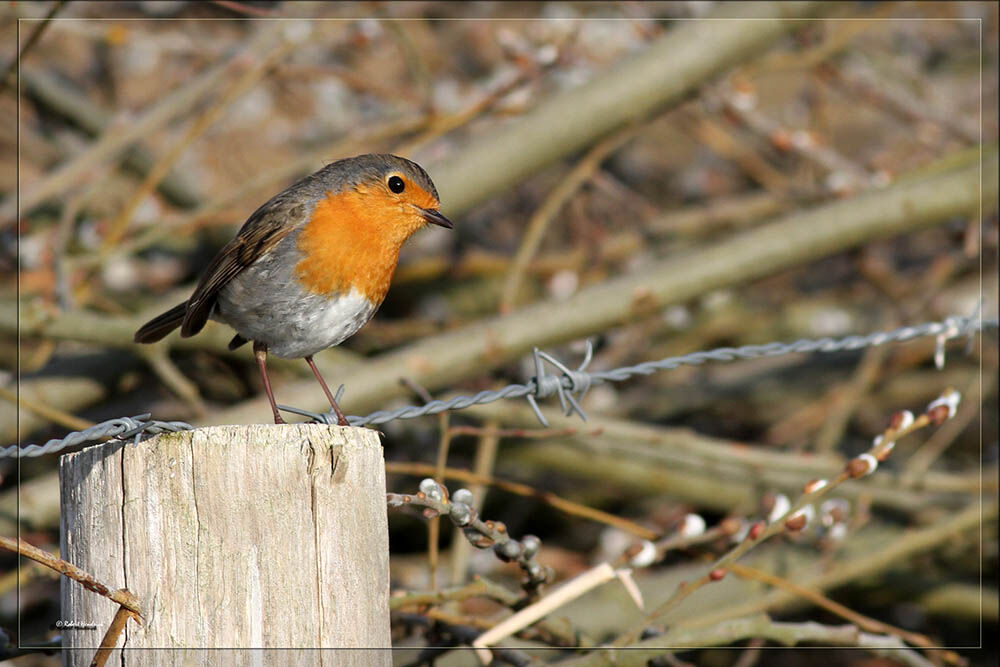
[{"x": 353, "y": 241}]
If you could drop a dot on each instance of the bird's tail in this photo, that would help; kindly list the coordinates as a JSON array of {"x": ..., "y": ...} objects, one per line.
[{"x": 161, "y": 325}]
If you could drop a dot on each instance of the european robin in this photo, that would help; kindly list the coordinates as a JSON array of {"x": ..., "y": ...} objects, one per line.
[{"x": 312, "y": 265}]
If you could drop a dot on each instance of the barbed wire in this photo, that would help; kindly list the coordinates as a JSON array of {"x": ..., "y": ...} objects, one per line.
[
  {"x": 568, "y": 384},
  {"x": 120, "y": 427}
]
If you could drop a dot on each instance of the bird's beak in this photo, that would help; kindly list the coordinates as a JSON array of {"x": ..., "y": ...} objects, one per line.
[{"x": 434, "y": 217}]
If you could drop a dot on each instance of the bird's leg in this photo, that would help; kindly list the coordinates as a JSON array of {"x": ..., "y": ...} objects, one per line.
[
  {"x": 260, "y": 352},
  {"x": 341, "y": 419}
]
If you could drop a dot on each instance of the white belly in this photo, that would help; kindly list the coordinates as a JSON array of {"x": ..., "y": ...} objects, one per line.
[{"x": 293, "y": 323}]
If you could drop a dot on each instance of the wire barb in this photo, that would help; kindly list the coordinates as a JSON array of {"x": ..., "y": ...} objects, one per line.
[
  {"x": 954, "y": 327},
  {"x": 567, "y": 386}
]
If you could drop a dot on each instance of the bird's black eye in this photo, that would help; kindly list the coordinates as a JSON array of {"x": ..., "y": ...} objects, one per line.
[{"x": 396, "y": 184}]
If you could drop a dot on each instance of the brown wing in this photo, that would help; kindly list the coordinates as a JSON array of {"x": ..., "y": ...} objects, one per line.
[{"x": 259, "y": 235}]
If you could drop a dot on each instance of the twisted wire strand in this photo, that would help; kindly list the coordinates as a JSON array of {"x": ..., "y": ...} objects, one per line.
[
  {"x": 120, "y": 427},
  {"x": 569, "y": 384},
  {"x": 956, "y": 327},
  {"x": 576, "y": 382}
]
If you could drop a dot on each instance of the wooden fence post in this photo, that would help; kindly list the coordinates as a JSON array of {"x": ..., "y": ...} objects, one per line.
[{"x": 239, "y": 537}]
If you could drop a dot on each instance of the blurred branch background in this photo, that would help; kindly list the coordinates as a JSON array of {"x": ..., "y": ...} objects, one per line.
[{"x": 642, "y": 174}]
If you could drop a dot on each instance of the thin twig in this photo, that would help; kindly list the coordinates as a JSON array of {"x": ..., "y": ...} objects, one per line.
[
  {"x": 491, "y": 431},
  {"x": 415, "y": 60},
  {"x": 54, "y": 415},
  {"x": 840, "y": 36},
  {"x": 118, "y": 227},
  {"x": 795, "y": 518},
  {"x": 760, "y": 626},
  {"x": 115, "y": 139},
  {"x": 862, "y": 621},
  {"x": 187, "y": 222},
  {"x": 719, "y": 213},
  {"x": 482, "y": 534},
  {"x": 859, "y": 80},
  {"x": 19, "y": 546},
  {"x": 567, "y": 506},
  {"x": 434, "y": 525},
  {"x": 8, "y": 75},
  {"x": 539, "y": 222},
  {"x": 110, "y": 639},
  {"x": 848, "y": 397},
  {"x": 682, "y": 540},
  {"x": 443, "y": 124},
  {"x": 449, "y": 635},
  {"x": 159, "y": 361},
  {"x": 478, "y": 587},
  {"x": 802, "y": 142},
  {"x": 486, "y": 450},
  {"x": 444, "y": 442},
  {"x": 61, "y": 99},
  {"x": 63, "y": 237},
  {"x": 720, "y": 139},
  {"x": 566, "y": 593},
  {"x": 922, "y": 459},
  {"x": 908, "y": 547},
  {"x": 19, "y": 577}
]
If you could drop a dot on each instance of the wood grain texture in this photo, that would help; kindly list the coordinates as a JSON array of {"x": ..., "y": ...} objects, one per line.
[{"x": 238, "y": 537}]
